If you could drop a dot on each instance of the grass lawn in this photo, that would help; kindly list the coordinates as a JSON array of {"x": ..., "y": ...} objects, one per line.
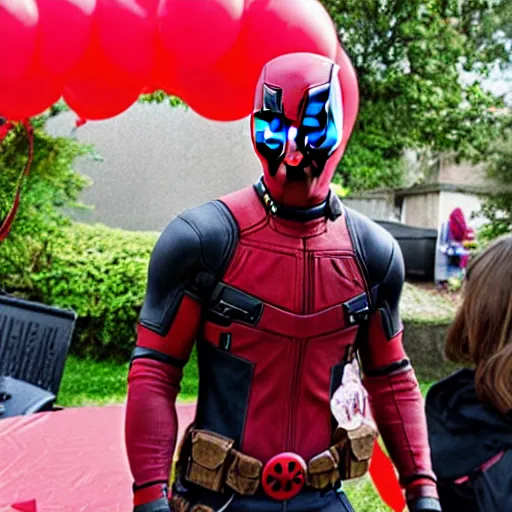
[
  {"x": 91, "y": 383},
  {"x": 87, "y": 382}
]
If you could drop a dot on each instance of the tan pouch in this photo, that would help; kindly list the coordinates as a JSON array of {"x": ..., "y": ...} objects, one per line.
[
  {"x": 356, "y": 453},
  {"x": 323, "y": 469},
  {"x": 362, "y": 441},
  {"x": 208, "y": 459},
  {"x": 244, "y": 474}
]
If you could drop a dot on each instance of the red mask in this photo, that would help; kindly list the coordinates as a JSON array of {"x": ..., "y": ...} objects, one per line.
[{"x": 300, "y": 126}]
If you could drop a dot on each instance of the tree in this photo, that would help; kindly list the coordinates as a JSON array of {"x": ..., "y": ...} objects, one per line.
[
  {"x": 410, "y": 57},
  {"x": 52, "y": 185},
  {"x": 497, "y": 209}
]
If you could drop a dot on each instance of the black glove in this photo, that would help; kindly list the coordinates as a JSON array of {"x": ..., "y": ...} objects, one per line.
[
  {"x": 161, "y": 505},
  {"x": 421, "y": 495},
  {"x": 424, "y": 504}
]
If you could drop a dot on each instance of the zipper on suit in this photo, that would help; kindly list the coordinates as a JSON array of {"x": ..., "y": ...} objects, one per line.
[{"x": 299, "y": 348}]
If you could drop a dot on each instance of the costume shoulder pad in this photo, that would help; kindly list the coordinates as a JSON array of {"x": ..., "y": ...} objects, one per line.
[
  {"x": 383, "y": 265},
  {"x": 194, "y": 248}
]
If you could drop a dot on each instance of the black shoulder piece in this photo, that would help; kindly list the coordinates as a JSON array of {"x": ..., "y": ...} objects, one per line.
[
  {"x": 383, "y": 265},
  {"x": 194, "y": 249}
]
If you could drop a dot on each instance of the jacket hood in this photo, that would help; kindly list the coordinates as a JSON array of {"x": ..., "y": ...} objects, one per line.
[{"x": 463, "y": 432}]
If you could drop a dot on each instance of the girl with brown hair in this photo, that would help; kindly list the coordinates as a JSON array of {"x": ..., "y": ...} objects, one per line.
[{"x": 470, "y": 413}]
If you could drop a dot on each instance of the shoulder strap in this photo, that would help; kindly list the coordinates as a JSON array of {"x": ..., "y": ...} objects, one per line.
[{"x": 246, "y": 207}]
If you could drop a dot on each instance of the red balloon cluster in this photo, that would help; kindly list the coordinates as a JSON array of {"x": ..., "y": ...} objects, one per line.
[{"x": 100, "y": 55}]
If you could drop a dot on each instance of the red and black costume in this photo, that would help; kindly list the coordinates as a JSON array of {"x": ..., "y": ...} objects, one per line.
[{"x": 277, "y": 284}]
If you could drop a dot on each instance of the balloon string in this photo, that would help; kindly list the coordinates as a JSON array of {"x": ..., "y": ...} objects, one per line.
[
  {"x": 80, "y": 121},
  {"x": 6, "y": 224}
]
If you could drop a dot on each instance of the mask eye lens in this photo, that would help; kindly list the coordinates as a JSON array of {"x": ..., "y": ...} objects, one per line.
[
  {"x": 315, "y": 124},
  {"x": 270, "y": 132},
  {"x": 311, "y": 122},
  {"x": 320, "y": 133}
]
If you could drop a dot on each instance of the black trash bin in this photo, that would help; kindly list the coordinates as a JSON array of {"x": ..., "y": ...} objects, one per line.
[{"x": 418, "y": 247}]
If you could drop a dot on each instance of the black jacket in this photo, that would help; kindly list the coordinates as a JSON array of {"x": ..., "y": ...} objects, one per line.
[{"x": 463, "y": 435}]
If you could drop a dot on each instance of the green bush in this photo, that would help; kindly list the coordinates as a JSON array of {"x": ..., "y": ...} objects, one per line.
[
  {"x": 52, "y": 185},
  {"x": 101, "y": 274}
]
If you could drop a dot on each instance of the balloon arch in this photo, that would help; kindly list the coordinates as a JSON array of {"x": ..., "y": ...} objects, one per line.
[{"x": 100, "y": 55}]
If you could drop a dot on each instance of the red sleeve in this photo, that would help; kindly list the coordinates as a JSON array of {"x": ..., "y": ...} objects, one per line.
[
  {"x": 396, "y": 401},
  {"x": 153, "y": 385}
]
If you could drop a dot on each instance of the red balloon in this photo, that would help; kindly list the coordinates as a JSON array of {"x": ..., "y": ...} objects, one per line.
[
  {"x": 18, "y": 33},
  {"x": 165, "y": 71},
  {"x": 99, "y": 87},
  {"x": 350, "y": 90},
  {"x": 197, "y": 33},
  {"x": 65, "y": 29},
  {"x": 213, "y": 96},
  {"x": 29, "y": 96},
  {"x": 127, "y": 34},
  {"x": 212, "y": 93},
  {"x": 94, "y": 95},
  {"x": 225, "y": 92},
  {"x": 272, "y": 28}
]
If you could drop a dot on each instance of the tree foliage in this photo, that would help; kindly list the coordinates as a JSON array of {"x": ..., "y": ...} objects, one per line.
[
  {"x": 51, "y": 186},
  {"x": 410, "y": 57},
  {"x": 497, "y": 209}
]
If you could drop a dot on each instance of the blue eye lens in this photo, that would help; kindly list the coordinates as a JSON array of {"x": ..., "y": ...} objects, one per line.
[
  {"x": 270, "y": 132},
  {"x": 276, "y": 125},
  {"x": 311, "y": 122},
  {"x": 319, "y": 123},
  {"x": 315, "y": 108}
]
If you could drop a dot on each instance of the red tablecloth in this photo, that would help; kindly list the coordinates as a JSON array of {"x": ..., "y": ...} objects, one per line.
[{"x": 68, "y": 461}]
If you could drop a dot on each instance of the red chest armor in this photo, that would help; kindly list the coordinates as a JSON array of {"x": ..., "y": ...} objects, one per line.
[{"x": 303, "y": 275}]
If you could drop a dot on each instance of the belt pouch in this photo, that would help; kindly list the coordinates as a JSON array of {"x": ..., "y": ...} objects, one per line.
[{"x": 208, "y": 459}]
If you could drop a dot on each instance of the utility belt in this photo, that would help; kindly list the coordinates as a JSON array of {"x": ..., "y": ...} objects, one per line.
[{"x": 210, "y": 461}]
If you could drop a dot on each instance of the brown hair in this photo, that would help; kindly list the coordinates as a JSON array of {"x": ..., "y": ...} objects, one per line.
[{"x": 482, "y": 331}]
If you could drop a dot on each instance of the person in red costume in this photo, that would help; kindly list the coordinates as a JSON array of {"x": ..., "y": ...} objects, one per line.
[{"x": 283, "y": 290}]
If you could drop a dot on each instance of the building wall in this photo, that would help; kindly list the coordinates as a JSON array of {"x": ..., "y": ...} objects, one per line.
[
  {"x": 380, "y": 207},
  {"x": 431, "y": 210},
  {"x": 158, "y": 161},
  {"x": 421, "y": 210},
  {"x": 463, "y": 173},
  {"x": 468, "y": 203}
]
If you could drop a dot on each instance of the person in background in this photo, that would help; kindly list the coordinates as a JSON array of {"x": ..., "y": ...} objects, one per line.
[
  {"x": 452, "y": 252},
  {"x": 469, "y": 414}
]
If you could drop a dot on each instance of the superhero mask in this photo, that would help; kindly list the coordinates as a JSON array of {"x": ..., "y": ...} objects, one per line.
[{"x": 298, "y": 127}]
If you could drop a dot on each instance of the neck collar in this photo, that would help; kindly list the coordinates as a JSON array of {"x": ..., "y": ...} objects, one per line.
[{"x": 330, "y": 208}]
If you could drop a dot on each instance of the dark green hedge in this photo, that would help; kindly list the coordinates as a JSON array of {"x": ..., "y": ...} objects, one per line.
[{"x": 100, "y": 273}]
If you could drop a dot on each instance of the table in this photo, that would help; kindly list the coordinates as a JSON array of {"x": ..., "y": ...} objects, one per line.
[{"x": 72, "y": 460}]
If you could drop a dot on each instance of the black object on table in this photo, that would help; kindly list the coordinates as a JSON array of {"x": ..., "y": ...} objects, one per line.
[
  {"x": 34, "y": 343},
  {"x": 18, "y": 397}
]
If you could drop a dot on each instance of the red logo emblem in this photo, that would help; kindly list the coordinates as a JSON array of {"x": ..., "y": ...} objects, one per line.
[{"x": 284, "y": 476}]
